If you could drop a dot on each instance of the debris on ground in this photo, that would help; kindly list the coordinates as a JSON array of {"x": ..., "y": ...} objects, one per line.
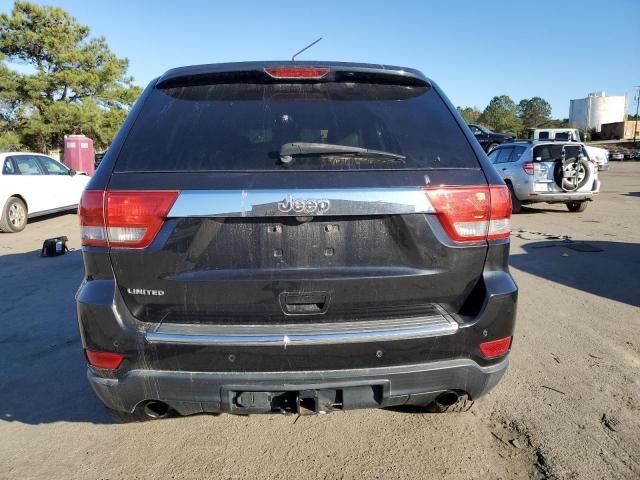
[
  {"x": 515, "y": 443},
  {"x": 553, "y": 389},
  {"x": 610, "y": 422},
  {"x": 529, "y": 235}
]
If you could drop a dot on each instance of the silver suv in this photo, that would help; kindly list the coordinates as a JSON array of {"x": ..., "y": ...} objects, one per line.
[{"x": 543, "y": 171}]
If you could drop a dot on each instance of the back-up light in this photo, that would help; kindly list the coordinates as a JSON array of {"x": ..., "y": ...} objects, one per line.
[
  {"x": 313, "y": 73},
  {"x": 469, "y": 214},
  {"x": 123, "y": 218}
]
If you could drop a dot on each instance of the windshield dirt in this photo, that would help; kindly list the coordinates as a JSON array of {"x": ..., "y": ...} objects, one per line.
[{"x": 241, "y": 127}]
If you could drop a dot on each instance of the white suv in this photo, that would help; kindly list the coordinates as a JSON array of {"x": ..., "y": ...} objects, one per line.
[
  {"x": 32, "y": 184},
  {"x": 552, "y": 172}
]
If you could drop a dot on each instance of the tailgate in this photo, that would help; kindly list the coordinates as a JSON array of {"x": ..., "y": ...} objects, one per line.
[{"x": 271, "y": 256}]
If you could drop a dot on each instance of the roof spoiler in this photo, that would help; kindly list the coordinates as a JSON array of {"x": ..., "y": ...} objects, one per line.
[{"x": 257, "y": 73}]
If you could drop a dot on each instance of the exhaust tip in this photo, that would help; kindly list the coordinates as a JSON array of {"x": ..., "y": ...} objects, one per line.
[
  {"x": 446, "y": 399},
  {"x": 156, "y": 409},
  {"x": 451, "y": 401}
]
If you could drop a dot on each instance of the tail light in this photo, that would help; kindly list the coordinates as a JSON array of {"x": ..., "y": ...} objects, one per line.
[
  {"x": 469, "y": 214},
  {"x": 528, "y": 168},
  {"x": 91, "y": 214},
  {"x": 120, "y": 218},
  {"x": 500, "y": 221},
  {"x": 313, "y": 73},
  {"x": 104, "y": 360},
  {"x": 495, "y": 348}
]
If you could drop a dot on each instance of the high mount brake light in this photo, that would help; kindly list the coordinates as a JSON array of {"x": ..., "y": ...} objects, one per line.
[
  {"x": 312, "y": 73},
  {"x": 123, "y": 218},
  {"x": 470, "y": 214}
]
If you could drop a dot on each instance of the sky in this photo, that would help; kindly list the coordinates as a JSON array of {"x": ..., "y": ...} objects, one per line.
[{"x": 474, "y": 50}]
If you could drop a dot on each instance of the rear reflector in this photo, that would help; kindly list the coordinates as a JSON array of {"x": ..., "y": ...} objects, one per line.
[
  {"x": 104, "y": 360},
  {"x": 495, "y": 348},
  {"x": 469, "y": 214},
  {"x": 120, "y": 218},
  {"x": 297, "y": 72}
]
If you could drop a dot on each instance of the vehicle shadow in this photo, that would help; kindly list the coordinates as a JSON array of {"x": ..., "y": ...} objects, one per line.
[
  {"x": 530, "y": 209},
  {"x": 632, "y": 194},
  {"x": 43, "y": 378},
  {"x": 606, "y": 269}
]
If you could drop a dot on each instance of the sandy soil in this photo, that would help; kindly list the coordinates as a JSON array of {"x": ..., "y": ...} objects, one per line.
[{"x": 569, "y": 406}]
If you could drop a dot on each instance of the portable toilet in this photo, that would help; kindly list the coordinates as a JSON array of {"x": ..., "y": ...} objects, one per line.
[{"x": 78, "y": 153}]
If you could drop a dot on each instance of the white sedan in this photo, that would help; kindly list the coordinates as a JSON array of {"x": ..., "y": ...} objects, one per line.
[{"x": 32, "y": 184}]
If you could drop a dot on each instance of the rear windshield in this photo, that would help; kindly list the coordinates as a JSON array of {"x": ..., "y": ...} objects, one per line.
[
  {"x": 241, "y": 127},
  {"x": 552, "y": 152}
]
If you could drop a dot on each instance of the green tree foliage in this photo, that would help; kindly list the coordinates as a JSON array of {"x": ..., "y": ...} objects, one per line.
[
  {"x": 534, "y": 112},
  {"x": 73, "y": 84},
  {"x": 501, "y": 115},
  {"x": 470, "y": 114},
  {"x": 9, "y": 102},
  {"x": 558, "y": 123}
]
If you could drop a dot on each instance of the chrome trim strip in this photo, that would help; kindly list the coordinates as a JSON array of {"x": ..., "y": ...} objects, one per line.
[
  {"x": 310, "y": 334},
  {"x": 302, "y": 202}
]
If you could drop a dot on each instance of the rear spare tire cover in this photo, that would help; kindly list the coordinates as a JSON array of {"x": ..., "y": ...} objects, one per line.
[{"x": 572, "y": 173}]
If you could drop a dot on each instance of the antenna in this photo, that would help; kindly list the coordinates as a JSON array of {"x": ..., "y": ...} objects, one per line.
[{"x": 305, "y": 48}]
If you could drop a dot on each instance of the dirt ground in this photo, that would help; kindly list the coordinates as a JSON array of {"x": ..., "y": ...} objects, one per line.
[{"x": 569, "y": 406}]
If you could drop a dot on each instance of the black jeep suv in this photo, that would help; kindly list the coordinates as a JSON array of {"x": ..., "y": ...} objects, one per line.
[{"x": 294, "y": 237}]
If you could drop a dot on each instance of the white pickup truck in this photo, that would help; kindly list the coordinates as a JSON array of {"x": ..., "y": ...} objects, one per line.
[{"x": 560, "y": 134}]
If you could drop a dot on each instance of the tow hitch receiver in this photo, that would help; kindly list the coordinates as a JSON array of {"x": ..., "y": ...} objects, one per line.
[
  {"x": 260, "y": 402},
  {"x": 306, "y": 402}
]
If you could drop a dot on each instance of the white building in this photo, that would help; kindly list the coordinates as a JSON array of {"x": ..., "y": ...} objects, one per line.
[{"x": 596, "y": 109}]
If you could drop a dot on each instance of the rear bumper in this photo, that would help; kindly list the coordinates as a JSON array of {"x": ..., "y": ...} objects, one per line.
[
  {"x": 197, "y": 372},
  {"x": 553, "y": 197},
  {"x": 526, "y": 192},
  {"x": 197, "y": 392}
]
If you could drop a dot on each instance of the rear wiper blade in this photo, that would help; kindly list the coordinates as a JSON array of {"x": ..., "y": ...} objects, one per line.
[{"x": 289, "y": 150}]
